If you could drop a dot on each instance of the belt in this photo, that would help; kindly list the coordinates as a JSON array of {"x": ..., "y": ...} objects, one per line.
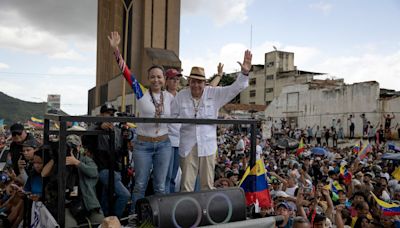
[{"x": 152, "y": 139}]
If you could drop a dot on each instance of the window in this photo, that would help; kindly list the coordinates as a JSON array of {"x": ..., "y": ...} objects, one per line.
[
  {"x": 269, "y": 90},
  {"x": 252, "y": 102},
  {"x": 252, "y": 81},
  {"x": 267, "y": 102},
  {"x": 252, "y": 93},
  {"x": 270, "y": 77},
  {"x": 270, "y": 64}
]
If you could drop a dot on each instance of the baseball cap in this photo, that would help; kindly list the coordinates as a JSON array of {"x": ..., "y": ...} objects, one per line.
[
  {"x": 370, "y": 174},
  {"x": 107, "y": 107},
  {"x": 30, "y": 143},
  {"x": 284, "y": 204},
  {"x": 171, "y": 73},
  {"x": 17, "y": 127},
  {"x": 74, "y": 141}
]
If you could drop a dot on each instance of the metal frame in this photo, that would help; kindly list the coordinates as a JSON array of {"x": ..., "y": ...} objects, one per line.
[{"x": 62, "y": 133}]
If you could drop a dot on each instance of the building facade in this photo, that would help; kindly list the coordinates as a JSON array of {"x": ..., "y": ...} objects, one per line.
[
  {"x": 150, "y": 31},
  {"x": 266, "y": 81},
  {"x": 319, "y": 102}
]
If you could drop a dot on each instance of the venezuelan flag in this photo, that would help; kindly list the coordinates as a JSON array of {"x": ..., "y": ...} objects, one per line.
[
  {"x": 345, "y": 174},
  {"x": 255, "y": 185},
  {"x": 36, "y": 120},
  {"x": 138, "y": 88},
  {"x": 356, "y": 148},
  {"x": 388, "y": 209},
  {"x": 300, "y": 149},
  {"x": 34, "y": 124},
  {"x": 364, "y": 152}
]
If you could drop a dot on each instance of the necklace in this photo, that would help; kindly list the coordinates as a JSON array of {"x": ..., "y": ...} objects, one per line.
[
  {"x": 196, "y": 104},
  {"x": 159, "y": 107}
]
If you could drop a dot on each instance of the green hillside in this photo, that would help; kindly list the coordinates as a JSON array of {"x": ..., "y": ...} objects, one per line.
[{"x": 13, "y": 110}]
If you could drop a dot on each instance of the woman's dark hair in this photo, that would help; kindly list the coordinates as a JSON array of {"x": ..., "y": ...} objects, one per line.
[
  {"x": 358, "y": 223},
  {"x": 156, "y": 67},
  {"x": 44, "y": 153}
]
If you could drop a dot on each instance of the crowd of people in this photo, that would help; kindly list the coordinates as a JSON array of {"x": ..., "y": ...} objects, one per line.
[{"x": 333, "y": 188}]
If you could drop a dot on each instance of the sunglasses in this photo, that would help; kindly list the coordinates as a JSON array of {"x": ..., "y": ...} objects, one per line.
[{"x": 16, "y": 133}]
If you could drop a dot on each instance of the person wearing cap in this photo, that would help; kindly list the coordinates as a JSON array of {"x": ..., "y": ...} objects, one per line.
[
  {"x": 285, "y": 210},
  {"x": 172, "y": 83},
  {"x": 198, "y": 143},
  {"x": 19, "y": 136},
  {"x": 152, "y": 151},
  {"x": 101, "y": 156},
  {"x": 88, "y": 176},
  {"x": 26, "y": 160}
]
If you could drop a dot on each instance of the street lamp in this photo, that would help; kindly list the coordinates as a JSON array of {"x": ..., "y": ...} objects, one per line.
[{"x": 127, "y": 10}]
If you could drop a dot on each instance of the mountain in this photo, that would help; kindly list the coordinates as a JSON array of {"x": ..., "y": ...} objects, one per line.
[{"x": 13, "y": 110}]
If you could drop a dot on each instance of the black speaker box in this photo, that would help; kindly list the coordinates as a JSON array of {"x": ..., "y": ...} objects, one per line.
[{"x": 193, "y": 209}]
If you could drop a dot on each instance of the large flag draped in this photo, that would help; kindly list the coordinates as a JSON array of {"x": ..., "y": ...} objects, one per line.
[
  {"x": 255, "y": 185},
  {"x": 388, "y": 209}
]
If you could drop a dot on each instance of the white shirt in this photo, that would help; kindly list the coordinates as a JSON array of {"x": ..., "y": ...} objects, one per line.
[
  {"x": 240, "y": 147},
  {"x": 173, "y": 132},
  {"x": 212, "y": 99},
  {"x": 147, "y": 109},
  {"x": 258, "y": 152}
]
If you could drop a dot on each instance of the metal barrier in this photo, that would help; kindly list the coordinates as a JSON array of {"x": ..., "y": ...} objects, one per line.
[
  {"x": 253, "y": 223},
  {"x": 62, "y": 134}
]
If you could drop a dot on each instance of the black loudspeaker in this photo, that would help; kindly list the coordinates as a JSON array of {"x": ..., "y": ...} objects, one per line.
[{"x": 192, "y": 209}]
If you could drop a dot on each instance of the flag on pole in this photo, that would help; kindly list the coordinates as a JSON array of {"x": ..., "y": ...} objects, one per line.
[
  {"x": 356, "y": 148},
  {"x": 255, "y": 185},
  {"x": 345, "y": 174},
  {"x": 300, "y": 149},
  {"x": 364, "y": 152},
  {"x": 388, "y": 209}
]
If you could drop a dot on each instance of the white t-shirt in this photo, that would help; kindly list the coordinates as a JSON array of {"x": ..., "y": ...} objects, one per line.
[
  {"x": 147, "y": 109},
  {"x": 258, "y": 152}
]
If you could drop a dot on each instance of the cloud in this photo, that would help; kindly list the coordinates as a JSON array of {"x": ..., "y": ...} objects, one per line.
[
  {"x": 58, "y": 29},
  {"x": 30, "y": 40},
  {"x": 70, "y": 55},
  {"x": 366, "y": 67},
  {"x": 221, "y": 11},
  {"x": 71, "y": 70},
  {"x": 4, "y": 66},
  {"x": 230, "y": 53},
  {"x": 324, "y": 7},
  {"x": 66, "y": 18},
  {"x": 73, "y": 91}
]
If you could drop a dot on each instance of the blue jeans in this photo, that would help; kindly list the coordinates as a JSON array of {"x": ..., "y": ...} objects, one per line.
[
  {"x": 150, "y": 156},
  {"x": 120, "y": 191},
  {"x": 172, "y": 171}
]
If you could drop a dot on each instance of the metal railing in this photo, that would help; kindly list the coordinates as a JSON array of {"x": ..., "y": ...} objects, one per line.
[{"x": 62, "y": 134}]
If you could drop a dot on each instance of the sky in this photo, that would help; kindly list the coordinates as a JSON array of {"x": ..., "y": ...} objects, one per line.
[{"x": 49, "y": 46}]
